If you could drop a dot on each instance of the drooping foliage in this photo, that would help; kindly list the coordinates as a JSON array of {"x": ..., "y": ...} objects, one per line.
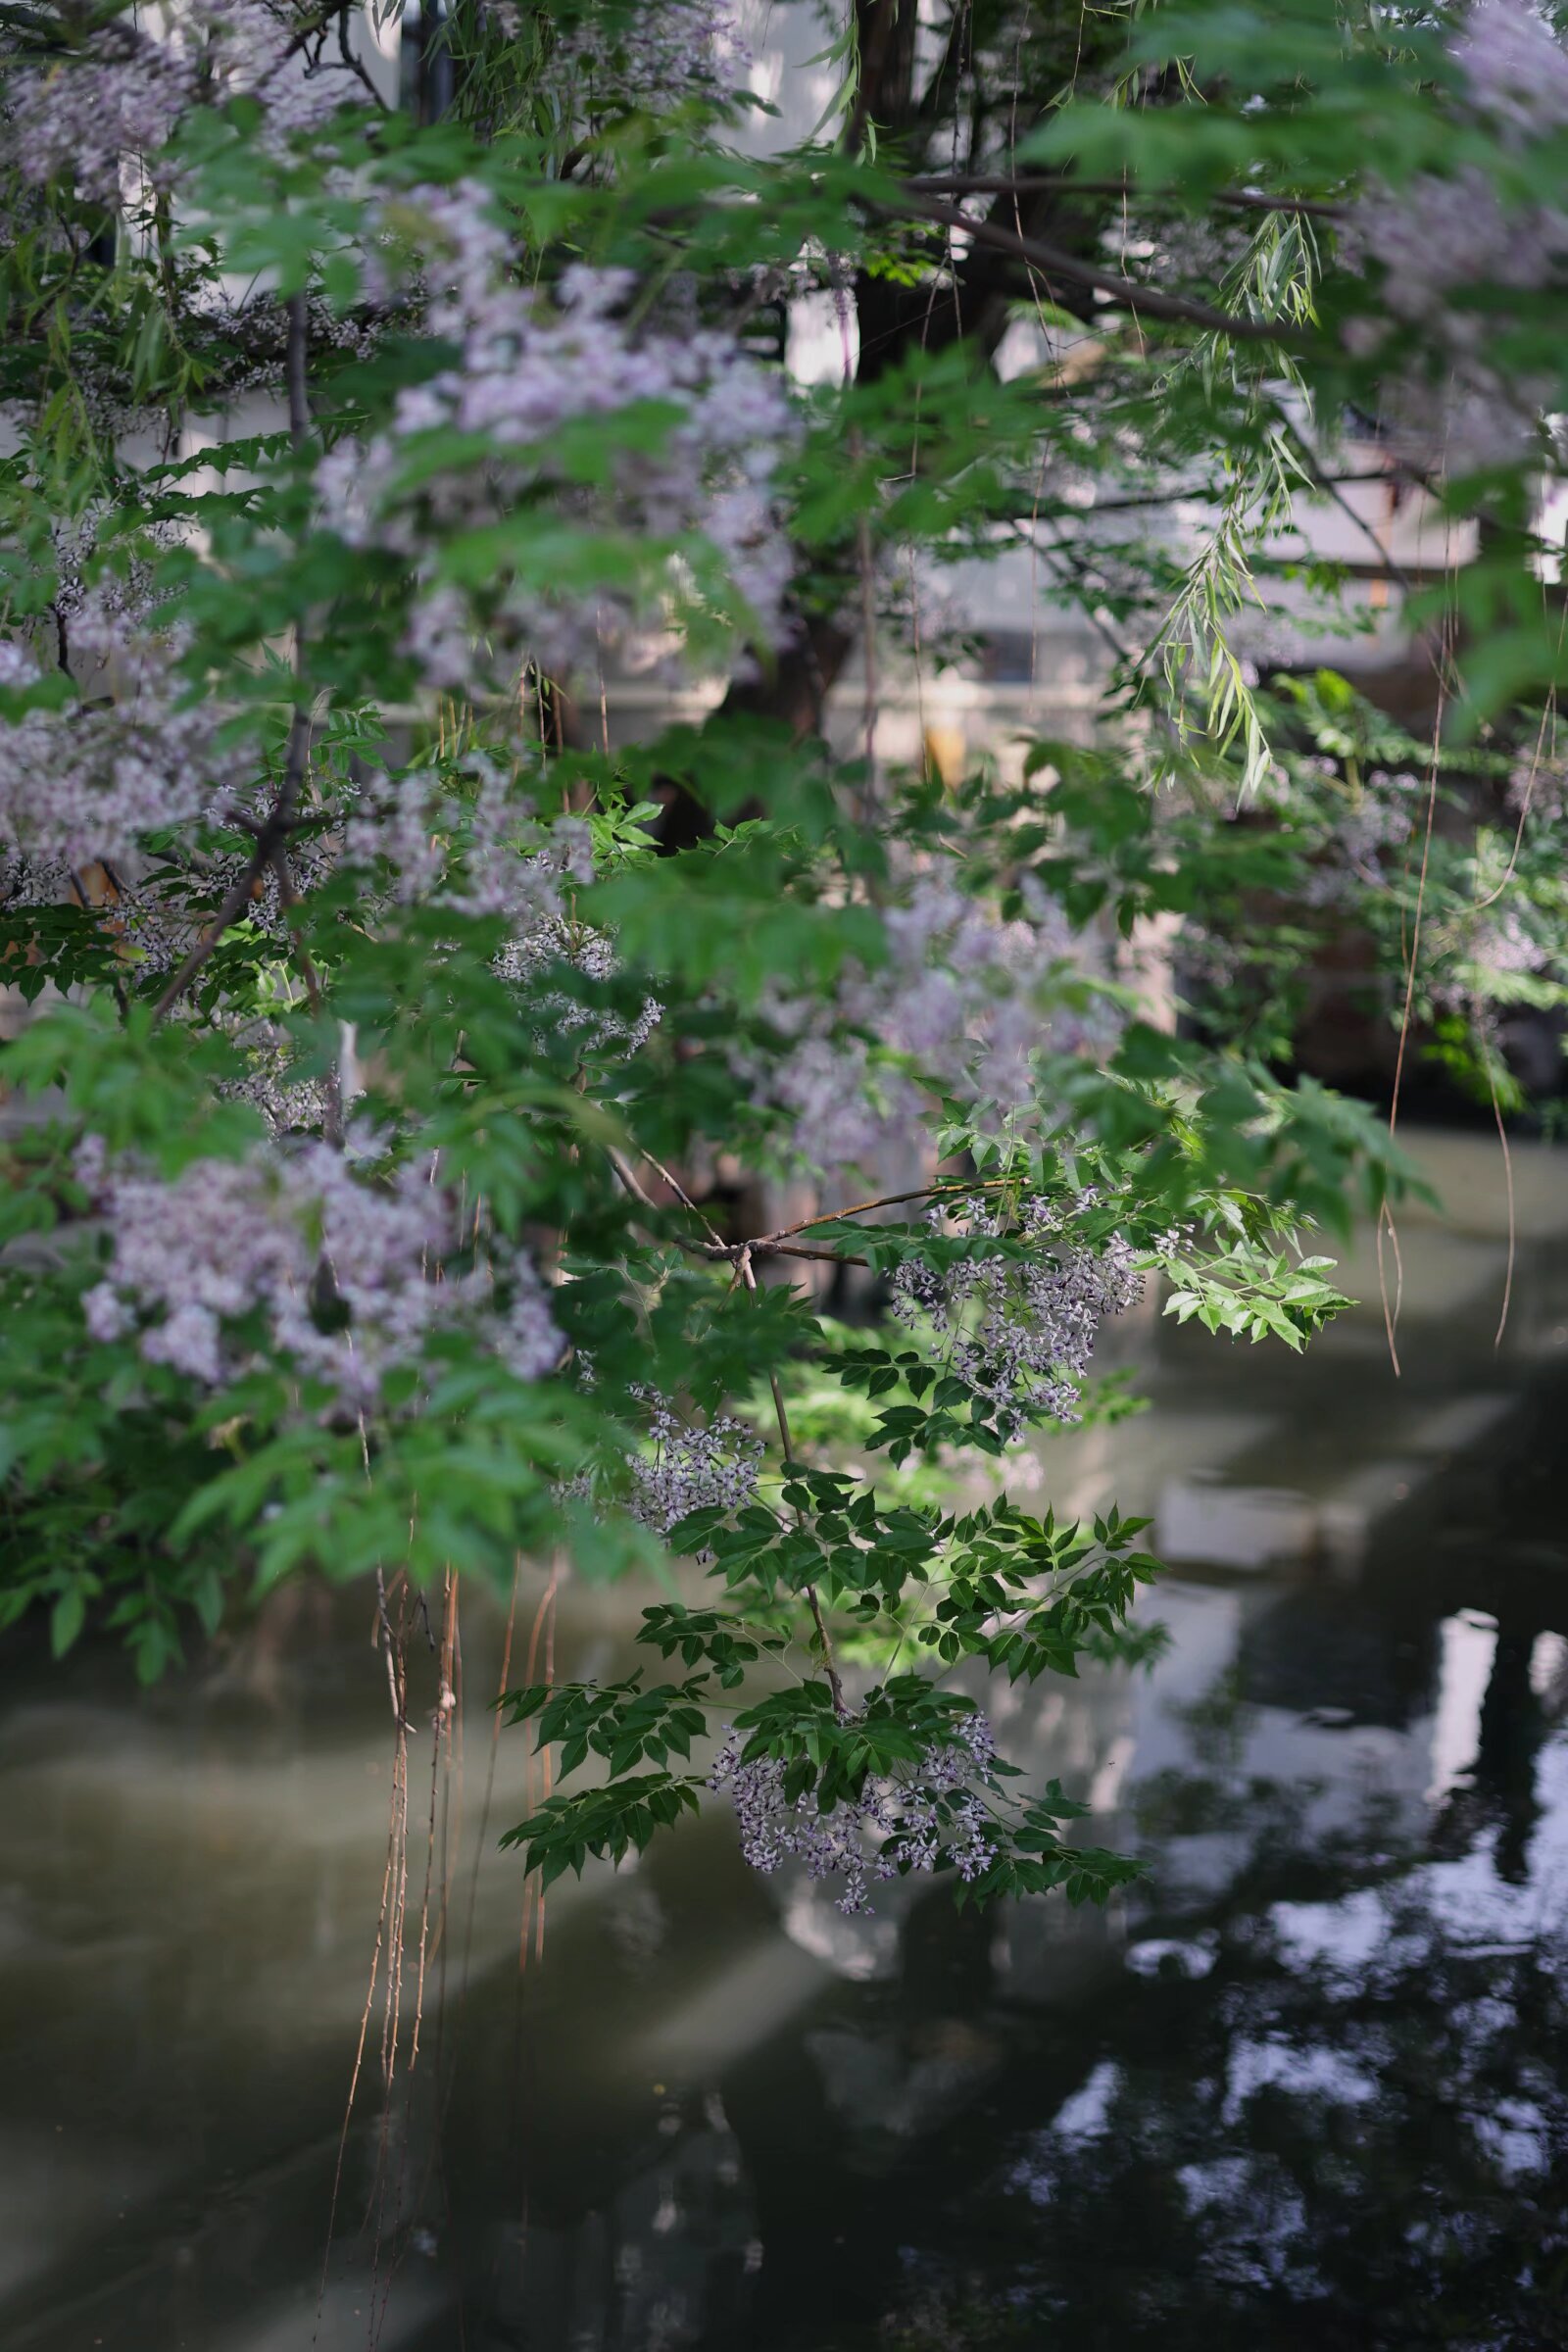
[{"x": 408, "y": 1055}]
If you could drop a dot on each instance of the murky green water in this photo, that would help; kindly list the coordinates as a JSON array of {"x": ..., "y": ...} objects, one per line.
[{"x": 1304, "y": 2089}]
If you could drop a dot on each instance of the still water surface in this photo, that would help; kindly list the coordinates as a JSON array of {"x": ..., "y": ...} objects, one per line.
[{"x": 1304, "y": 2088}]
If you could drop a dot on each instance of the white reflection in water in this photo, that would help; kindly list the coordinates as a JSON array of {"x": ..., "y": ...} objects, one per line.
[
  {"x": 1303, "y": 2070},
  {"x": 1084, "y": 2116},
  {"x": 1549, "y": 1670},
  {"x": 1469, "y": 1647}
]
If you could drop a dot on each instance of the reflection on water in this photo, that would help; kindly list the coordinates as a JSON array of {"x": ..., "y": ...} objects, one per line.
[{"x": 1302, "y": 2087}]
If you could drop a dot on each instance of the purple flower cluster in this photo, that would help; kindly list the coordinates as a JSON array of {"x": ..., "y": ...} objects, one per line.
[
  {"x": 691, "y": 1468},
  {"x": 486, "y": 851},
  {"x": 972, "y": 997},
  {"x": 80, "y": 117},
  {"x": 1379, "y": 819},
  {"x": 706, "y": 429},
  {"x": 1447, "y": 244},
  {"x": 966, "y": 998},
  {"x": 479, "y": 851},
  {"x": 290, "y": 1105},
  {"x": 657, "y": 58},
  {"x": 232, "y": 1262},
  {"x": 1505, "y": 944},
  {"x": 124, "y": 594},
  {"x": 260, "y": 49},
  {"x": 1515, "y": 68},
  {"x": 892, "y": 1826},
  {"x": 555, "y": 940},
  {"x": 88, "y": 781},
  {"x": 1021, "y": 1332},
  {"x": 841, "y": 1115},
  {"x": 119, "y": 98},
  {"x": 1497, "y": 948},
  {"x": 1538, "y": 786}
]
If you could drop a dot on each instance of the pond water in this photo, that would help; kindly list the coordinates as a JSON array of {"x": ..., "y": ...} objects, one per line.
[{"x": 1302, "y": 2087}]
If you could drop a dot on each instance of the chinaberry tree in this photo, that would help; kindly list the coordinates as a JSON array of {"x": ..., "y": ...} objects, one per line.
[{"x": 391, "y": 1026}]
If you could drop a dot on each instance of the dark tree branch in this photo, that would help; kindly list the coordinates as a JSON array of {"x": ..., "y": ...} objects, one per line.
[
  {"x": 1052, "y": 260},
  {"x": 732, "y": 1253},
  {"x": 272, "y": 833},
  {"x": 272, "y": 837},
  {"x": 297, "y": 372},
  {"x": 880, "y": 56},
  {"x": 1057, "y": 183},
  {"x": 288, "y": 900}
]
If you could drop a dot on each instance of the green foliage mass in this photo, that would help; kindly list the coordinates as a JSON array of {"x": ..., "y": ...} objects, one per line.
[{"x": 1166, "y": 207}]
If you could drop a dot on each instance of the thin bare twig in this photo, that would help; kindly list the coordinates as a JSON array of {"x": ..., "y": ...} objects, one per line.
[
  {"x": 720, "y": 1252},
  {"x": 680, "y": 1191},
  {"x": 731, "y": 1252},
  {"x": 1386, "y": 1215},
  {"x": 830, "y": 1665},
  {"x": 1513, "y": 1240},
  {"x": 863, "y": 1208},
  {"x": 628, "y": 1178}
]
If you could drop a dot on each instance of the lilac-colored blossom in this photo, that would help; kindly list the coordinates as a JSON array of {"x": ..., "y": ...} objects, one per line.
[
  {"x": 86, "y": 112},
  {"x": 1514, "y": 67},
  {"x": 79, "y": 117},
  {"x": 966, "y": 999},
  {"x": 88, "y": 781},
  {"x": 656, "y": 57},
  {"x": 1019, "y": 1331},
  {"x": 478, "y": 852},
  {"x": 911, "y": 1823},
  {"x": 293, "y": 1255},
  {"x": 1361, "y": 832},
  {"x": 486, "y": 851},
  {"x": 1448, "y": 245},
  {"x": 528, "y": 956},
  {"x": 1538, "y": 786},
  {"x": 690, "y": 1466},
  {"x": 526, "y": 377}
]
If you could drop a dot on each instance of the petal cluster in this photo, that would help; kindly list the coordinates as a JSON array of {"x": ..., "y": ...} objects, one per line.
[
  {"x": 931, "y": 1815},
  {"x": 672, "y": 510},
  {"x": 88, "y": 780},
  {"x": 296, "y": 1255},
  {"x": 1019, "y": 1328}
]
